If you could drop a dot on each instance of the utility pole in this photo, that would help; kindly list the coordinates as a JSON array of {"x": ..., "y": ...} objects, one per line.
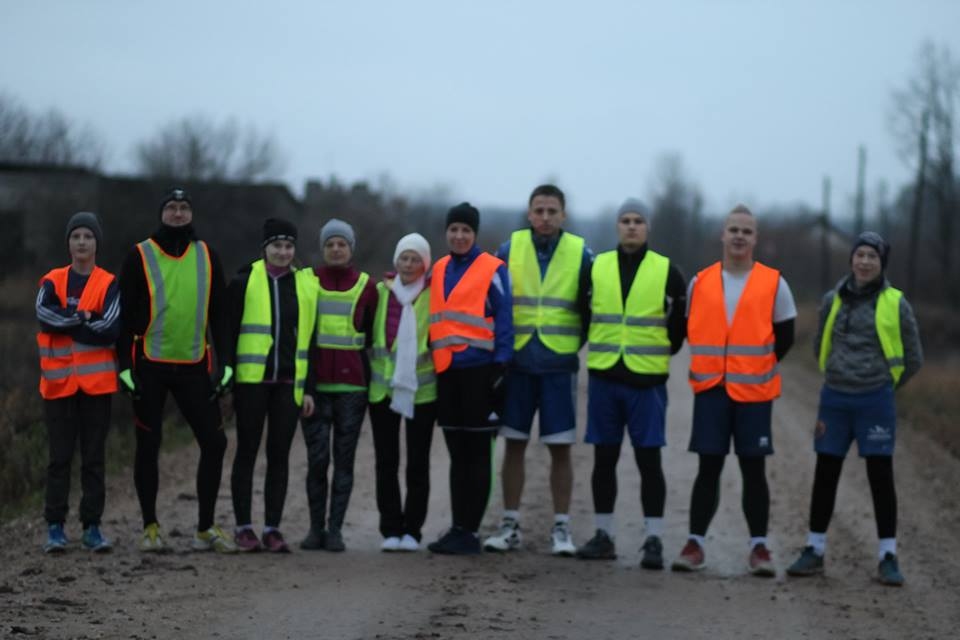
[
  {"x": 825, "y": 237},
  {"x": 860, "y": 203},
  {"x": 919, "y": 188}
]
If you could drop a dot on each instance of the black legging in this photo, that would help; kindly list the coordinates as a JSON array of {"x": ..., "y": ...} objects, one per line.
[
  {"x": 706, "y": 494},
  {"x": 826, "y": 479},
  {"x": 469, "y": 475},
  {"x": 253, "y": 404},
  {"x": 653, "y": 485}
]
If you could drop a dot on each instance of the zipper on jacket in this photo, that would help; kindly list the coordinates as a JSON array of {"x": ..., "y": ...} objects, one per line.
[{"x": 276, "y": 327}]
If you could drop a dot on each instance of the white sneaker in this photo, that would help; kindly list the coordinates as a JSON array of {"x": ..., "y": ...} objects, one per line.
[
  {"x": 562, "y": 541},
  {"x": 390, "y": 544},
  {"x": 507, "y": 539},
  {"x": 409, "y": 543}
]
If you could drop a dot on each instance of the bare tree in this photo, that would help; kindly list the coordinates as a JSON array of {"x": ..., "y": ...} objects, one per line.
[
  {"x": 47, "y": 138},
  {"x": 677, "y": 212},
  {"x": 197, "y": 148}
]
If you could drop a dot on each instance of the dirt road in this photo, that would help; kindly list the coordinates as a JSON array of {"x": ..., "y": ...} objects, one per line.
[{"x": 364, "y": 593}]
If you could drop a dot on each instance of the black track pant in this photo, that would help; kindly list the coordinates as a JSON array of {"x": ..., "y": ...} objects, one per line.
[
  {"x": 191, "y": 389},
  {"x": 706, "y": 494},
  {"x": 653, "y": 485},
  {"x": 255, "y": 403},
  {"x": 76, "y": 419},
  {"x": 470, "y": 475},
  {"x": 338, "y": 416},
  {"x": 826, "y": 479},
  {"x": 397, "y": 517}
]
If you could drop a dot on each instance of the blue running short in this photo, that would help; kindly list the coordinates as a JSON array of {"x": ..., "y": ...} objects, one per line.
[
  {"x": 613, "y": 405},
  {"x": 552, "y": 394},
  {"x": 717, "y": 418},
  {"x": 870, "y": 418}
]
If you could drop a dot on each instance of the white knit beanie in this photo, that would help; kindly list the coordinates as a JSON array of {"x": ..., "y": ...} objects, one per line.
[{"x": 413, "y": 242}]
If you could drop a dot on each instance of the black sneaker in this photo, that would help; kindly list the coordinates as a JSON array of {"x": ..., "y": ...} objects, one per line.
[
  {"x": 809, "y": 563},
  {"x": 334, "y": 541},
  {"x": 314, "y": 541},
  {"x": 456, "y": 542},
  {"x": 599, "y": 547},
  {"x": 652, "y": 553}
]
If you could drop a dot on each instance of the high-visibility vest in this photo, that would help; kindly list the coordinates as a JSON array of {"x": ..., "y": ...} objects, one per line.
[
  {"x": 384, "y": 361},
  {"x": 67, "y": 366},
  {"x": 547, "y": 306},
  {"x": 887, "y": 321},
  {"x": 179, "y": 302},
  {"x": 636, "y": 332},
  {"x": 335, "y": 313},
  {"x": 738, "y": 355},
  {"x": 257, "y": 325},
  {"x": 460, "y": 321}
]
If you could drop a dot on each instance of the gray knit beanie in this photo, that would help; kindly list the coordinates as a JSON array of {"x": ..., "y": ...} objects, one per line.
[
  {"x": 633, "y": 205},
  {"x": 88, "y": 220},
  {"x": 335, "y": 227}
]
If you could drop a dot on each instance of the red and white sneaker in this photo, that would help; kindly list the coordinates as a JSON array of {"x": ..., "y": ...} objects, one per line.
[
  {"x": 691, "y": 558},
  {"x": 273, "y": 541},
  {"x": 760, "y": 563},
  {"x": 246, "y": 540}
]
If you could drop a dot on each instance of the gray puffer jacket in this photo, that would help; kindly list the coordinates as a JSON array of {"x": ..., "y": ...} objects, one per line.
[{"x": 856, "y": 363}]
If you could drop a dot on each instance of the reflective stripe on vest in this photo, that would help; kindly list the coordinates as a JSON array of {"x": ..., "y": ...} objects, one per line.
[
  {"x": 256, "y": 326},
  {"x": 459, "y": 321},
  {"x": 887, "y": 321},
  {"x": 554, "y": 317},
  {"x": 383, "y": 361},
  {"x": 335, "y": 313},
  {"x": 637, "y": 333},
  {"x": 179, "y": 302},
  {"x": 67, "y": 366},
  {"x": 740, "y": 355}
]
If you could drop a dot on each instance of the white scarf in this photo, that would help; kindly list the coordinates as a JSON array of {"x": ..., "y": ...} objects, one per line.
[{"x": 404, "y": 381}]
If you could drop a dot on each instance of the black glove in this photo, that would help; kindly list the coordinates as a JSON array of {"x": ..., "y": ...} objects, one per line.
[
  {"x": 130, "y": 383},
  {"x": 223, "y": 382}
]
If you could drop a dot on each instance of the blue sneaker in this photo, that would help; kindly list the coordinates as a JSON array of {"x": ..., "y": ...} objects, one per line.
[
  {"x": 888, "y": 572},
  {"x": 56, "y": 538},
  {"x": 95, "y": 541},
  {"x": 808, "y": 564}
]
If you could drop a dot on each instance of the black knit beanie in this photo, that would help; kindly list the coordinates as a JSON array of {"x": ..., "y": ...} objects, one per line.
[
  {"x": 278, "y": 229},
  {"x": 175, "y": 195},
  {"x": 88, "y": 220},
  {"x": 465, "y": 213},
  {"x": 876, "y": 241}
]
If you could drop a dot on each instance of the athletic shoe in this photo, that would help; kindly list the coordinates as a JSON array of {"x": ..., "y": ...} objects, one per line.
[
  {"x": 95, "y": 541},
  {"x": 246, "y": 540},
  {"x": 507, "y": 539},
  {"x": 213, "y": 539},
  {"x": 652, "y": 553},
  {"x": 273, "y": 541},
  {"x": 390, "y": 544},
  {"x": 314, "y": 541},
  {"x": 760, "y": 563},
  {"x": 152, "y": 541},
  {"x": 409, "y": 543},
  {"x": 562, "y": 541},
  {"x": 809, "y": 563},
  {"x": 691, "y": 558},
  {"x": 335, "y": 541},
  {"x": 888, "y": 572},
  {"x": 599, "y": 547},
  {"x": 456, "y": 542},
  {"x": 56, "y": 539}
]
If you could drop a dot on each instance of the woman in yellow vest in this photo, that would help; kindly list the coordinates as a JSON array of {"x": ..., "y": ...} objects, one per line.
[
  {"x": 403, "y": 386},
  {"x": 868, "y": 345},
  {"x": 273, "y": 313},
  {"x": 78, "y": 308},
  {"x": 337, "y": 380}
]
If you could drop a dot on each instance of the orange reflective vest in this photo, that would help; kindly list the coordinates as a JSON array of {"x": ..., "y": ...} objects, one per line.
[
  {"x": 741, "y": 355},
  {"x": 459, "y": 321},
  {"x": 67, "y": 366}
]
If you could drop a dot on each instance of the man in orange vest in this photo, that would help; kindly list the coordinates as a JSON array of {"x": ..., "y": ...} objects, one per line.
[
  {"x": 740, "y": 316},
  {"x": 78, "y": 308}
]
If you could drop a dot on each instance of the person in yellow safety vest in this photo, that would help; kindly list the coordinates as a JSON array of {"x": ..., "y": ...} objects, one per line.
[
  {"x": 337, "y": 382},
  {"x": 550, "y": 277},
  {"x": 403, "y": 385},
  {"x": 868, "y": 345},
  {"x": 273, "y": 315},
  {"x": 739, "y": 326},
  {"x": 174, "y": 296},
  {"x": 78, "y": 308},
  {"x": 637, "y": 323}
]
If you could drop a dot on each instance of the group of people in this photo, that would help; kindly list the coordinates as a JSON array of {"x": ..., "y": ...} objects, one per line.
[{"x": 478, "y": 344}]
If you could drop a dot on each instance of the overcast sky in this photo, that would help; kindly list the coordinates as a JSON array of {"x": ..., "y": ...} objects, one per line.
[{"x": 761, "y": 98}]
